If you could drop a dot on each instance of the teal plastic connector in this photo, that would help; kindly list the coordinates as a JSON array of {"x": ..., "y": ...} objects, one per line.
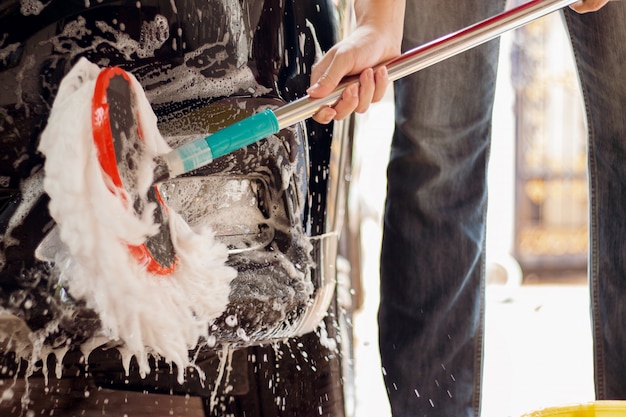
[{"x": 202, "y": 151}]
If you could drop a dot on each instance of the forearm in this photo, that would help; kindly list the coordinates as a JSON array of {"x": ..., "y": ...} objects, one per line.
[{"x": 387, "y": 16}]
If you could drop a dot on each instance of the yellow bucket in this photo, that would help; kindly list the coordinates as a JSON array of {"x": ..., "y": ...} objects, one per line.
[{"x": 592, "y": 409}]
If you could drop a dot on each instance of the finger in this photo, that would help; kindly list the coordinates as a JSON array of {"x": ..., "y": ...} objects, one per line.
[
  {"x": 323, "y": 86},
  {"x": 330, "y": 78},
  {"x": 348, "y": 102},
  {"x": 381, "y": 79},
  {"x": 366, "y": 90},
  {"x": 321, "y": 66},
  {"x": 325, "y": 115},
  {"x": 586, "y": 6}
]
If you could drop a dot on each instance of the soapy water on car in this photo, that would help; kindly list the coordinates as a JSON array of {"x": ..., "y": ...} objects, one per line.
[
  {"x": 164, "y": 316},
  {"x": 141, "y": 316}
]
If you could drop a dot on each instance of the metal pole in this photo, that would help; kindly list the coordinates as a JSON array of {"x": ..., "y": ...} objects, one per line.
[{"x": 429, "y": 54}]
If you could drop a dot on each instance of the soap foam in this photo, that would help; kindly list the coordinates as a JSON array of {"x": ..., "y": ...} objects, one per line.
[{"x": 148, "y": 314}]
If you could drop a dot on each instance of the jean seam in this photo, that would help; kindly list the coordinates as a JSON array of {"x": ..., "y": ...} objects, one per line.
[
  {"x": 480, "y": 338},
  {"x": 479, "y": 349},
  {"x": 592, "y": 269}
]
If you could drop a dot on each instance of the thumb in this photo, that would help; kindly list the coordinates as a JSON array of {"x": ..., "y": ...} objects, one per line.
[
  {"x": 323, "y": 87},
  {"x": 326, "y": 76}
]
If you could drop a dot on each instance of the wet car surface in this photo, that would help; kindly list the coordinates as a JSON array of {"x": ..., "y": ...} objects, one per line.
[{"x": 203, "y": 65}]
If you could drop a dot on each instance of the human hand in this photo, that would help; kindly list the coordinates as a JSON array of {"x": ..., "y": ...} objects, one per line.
[
  {"x": 585, "y": 6},
  {"x": 355, "y": 98},
  {"x": 360, "y": 53}
]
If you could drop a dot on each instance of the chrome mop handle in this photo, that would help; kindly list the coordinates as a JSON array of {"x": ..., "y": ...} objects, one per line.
[{"x": 428, "y": 54}]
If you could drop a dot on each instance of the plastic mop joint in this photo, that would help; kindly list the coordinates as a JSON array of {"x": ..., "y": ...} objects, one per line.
[{"x": 203, "y": 151}]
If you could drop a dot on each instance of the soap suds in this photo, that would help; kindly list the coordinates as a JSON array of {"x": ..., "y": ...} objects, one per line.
[{"x": 161, "y": 315}]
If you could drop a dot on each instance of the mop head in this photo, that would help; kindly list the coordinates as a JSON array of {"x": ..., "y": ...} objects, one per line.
[{"x": 100, "y": 225}]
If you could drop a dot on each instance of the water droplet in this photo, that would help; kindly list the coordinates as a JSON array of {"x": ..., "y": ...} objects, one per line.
[
  {"x": 231, "y": 321},
  {"x": 7, "y": 394}
]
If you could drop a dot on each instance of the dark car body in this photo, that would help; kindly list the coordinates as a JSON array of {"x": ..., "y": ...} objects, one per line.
[{"x": 203, "y": 65}]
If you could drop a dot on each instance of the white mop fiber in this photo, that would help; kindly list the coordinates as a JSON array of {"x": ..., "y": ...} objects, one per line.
[{"x": 161, "y": 315}]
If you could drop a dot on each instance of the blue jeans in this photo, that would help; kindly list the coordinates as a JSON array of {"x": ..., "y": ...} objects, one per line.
[{"x": 432, "y": 262}]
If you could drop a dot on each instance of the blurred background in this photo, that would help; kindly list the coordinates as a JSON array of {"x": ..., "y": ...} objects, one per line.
[{"x": 538, "y": 343}]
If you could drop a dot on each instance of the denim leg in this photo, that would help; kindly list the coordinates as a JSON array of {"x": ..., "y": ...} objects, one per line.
[
  {"x": 599, "y": 42},
  {"x": 432, "y": 262}
]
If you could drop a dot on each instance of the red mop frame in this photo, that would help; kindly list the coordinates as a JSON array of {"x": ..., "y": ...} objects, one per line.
[{"x": 102, "y": 136}]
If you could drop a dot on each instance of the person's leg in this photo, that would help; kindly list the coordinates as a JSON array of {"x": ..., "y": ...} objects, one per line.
[
  {"x": 599, "y": 41},
  {"x": 432, "y": 261}
]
